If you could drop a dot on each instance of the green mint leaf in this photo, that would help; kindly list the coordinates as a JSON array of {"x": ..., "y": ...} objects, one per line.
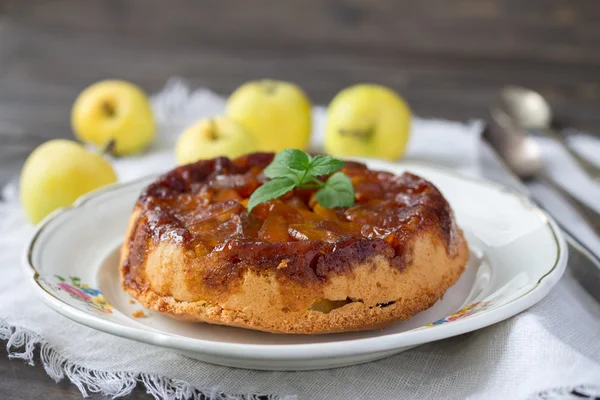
[
  {"x": 338, "y": 192},
  {"x": 288, "y": 162},
  {"x": 293, "y": 168},
  {"x": 271, "y": 190},
  {"x": 324, "y": 165}
]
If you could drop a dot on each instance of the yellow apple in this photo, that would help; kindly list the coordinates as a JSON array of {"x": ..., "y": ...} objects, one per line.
[
  {"x": 56, "y": 173},
  {"x": 277, "y": 113},
  {"x": 114, "y": 110},
  {"x": 214, "y": 137},
  {"x": 367, "y": 120}
]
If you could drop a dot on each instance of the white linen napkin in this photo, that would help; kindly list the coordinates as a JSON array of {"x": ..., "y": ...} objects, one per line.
[{"x": 549, "y": 351}]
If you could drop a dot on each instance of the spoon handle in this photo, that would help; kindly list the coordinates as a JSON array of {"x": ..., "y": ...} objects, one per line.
[
  {"x": 592, "y": 216},
  {"x": 591, "y": 169},
  {"x": 584, "y": 265}
]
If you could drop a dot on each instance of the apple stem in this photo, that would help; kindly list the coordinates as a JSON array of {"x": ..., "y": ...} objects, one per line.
[
  {"x": 212, "y": 131},
  {"x": 269, "y": 87},
  {"x": 109, "y": 147},
  {"x": 108, "y": 108},
  {"x": 358, "y": 133}
]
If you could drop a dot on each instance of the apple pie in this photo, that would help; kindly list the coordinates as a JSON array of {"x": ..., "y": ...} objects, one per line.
[{"x": 193, "y": 252}]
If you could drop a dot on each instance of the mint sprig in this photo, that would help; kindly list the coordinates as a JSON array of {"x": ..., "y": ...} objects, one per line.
[
  {"x": 337, "y": 192},
  {"x": 293, "y": 168}
]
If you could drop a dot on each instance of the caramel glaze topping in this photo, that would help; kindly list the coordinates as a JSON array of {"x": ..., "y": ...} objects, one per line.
[{"x": 202, "y": 207}]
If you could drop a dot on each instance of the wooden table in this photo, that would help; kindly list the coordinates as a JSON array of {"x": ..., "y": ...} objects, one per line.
[{"x": 448, "y": 59}]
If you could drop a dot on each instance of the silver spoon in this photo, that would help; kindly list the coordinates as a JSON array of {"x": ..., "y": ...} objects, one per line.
[
  {"x": 531, "y": 111},
  {"x": 523, "y": 158}
]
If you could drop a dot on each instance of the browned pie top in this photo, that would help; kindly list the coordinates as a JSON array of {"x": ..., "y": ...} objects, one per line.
[{"x": 202, "y": 206}]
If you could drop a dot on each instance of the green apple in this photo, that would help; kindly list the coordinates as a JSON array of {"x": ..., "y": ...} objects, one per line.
[
  {"x": 114, "y": 110},
  {"x": 214, "y": 137},
  {"x": 367, "y": 120},
  {"x": 277, "y": 113},
  {"x": 58, "y": 172}
]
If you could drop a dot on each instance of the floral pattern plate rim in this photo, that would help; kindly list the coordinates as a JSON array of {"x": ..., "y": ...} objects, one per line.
[{"x": 518, "y": 254}]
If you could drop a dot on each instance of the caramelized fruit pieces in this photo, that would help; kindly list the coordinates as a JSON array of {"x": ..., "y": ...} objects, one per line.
[
  {"x": 216, "y": 222},
  {"x": 326, "y": 213},
  {"x": 209, "y": 199},
  {"x": 214, "y": 232},
  {"x": 289, "y": 213},
  {"x": 274, "y": 229},
  {"x": 297, "y": 203},
  {"x": 327, "y": 231},
  {"x": 309, "y": 232},
  {"x": 227, "y": 194},
  {"x": 369, "y": 190}
]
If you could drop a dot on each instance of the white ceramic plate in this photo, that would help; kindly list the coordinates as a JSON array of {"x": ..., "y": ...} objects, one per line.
[{"x": 517, "y": 255}]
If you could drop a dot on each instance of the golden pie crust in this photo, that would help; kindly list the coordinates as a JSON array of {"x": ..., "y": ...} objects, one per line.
[{"x": 194, "y": 253}]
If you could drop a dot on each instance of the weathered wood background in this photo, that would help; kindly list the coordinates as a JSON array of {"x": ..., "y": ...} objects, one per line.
[{"x": 448, "y": 58}]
